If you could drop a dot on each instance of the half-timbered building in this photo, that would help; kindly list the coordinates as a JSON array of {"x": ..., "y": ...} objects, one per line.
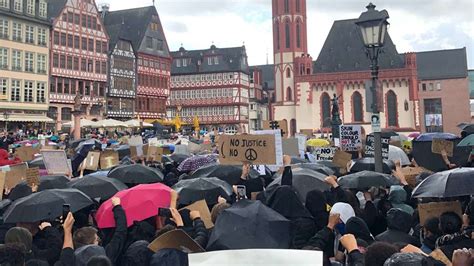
[
  {"x": 142, "y": 26},
  {"x": 79, "y": 46},
  {"x": 213, "y": 85}
]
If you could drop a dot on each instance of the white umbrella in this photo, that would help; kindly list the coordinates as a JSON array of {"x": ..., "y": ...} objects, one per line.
[
  {"x": 109, "y": 123},
  {"x": 397, "y": 154},
  {"x": 137, "y": 123},
  {"x": 84, "y": 123}
]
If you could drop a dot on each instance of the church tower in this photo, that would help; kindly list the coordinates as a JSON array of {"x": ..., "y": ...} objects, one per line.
[{"x": 289, "y": 42}]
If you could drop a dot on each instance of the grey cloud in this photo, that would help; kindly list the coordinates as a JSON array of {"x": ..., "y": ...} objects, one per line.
[{"x": 177, "y": 27}]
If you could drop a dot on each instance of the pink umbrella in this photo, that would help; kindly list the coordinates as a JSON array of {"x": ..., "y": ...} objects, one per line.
[
  {"x": 140, "y": 202},
  {"x": 414, "y": 135}
]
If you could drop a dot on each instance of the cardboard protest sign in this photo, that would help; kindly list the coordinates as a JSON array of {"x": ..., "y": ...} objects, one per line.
[
  {"x": 26, "y": 153},
  {"x": 290, "y": 147},
  {"x": 435, "y": 209},
  {"x": 155, "y": 153},
  {"x": 370, "y": 147},
  {"x": 307, "y": 132},
  {"x": 32, "y": 176},
  {"x": 256, "y": 149},
  {"x": 411, "y": 173},
  {"x": 56, "y": 162},
  {"x": 15, "y": 175},
  {"x": 438, "y": 145},
  {"x": 109, "y": 159},
  {"x": 341, "y": 158},
  {"x": 277, "y": 125},
  {"x": 176, "y": 239},
  {"x": 201, "y": 207},
  {"x": 92, "y": 161},
  {"x": 350, "y": 137},
  {"x": 137, "y": 151},
  {"x": 324, "y": 154},
  {"x": 135, "y": 141}
]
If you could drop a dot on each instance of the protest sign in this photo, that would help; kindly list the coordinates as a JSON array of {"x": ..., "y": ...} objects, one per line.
[
  {"x": 92, "y": 161},
  {"x": 56, "y": 162},
  {"x": 350, "y": 139},
  {"x": 203, "y": 209},
  {"x": 109, "y": 159},
  {"x": 290, "y": 147},
  {"x": 15, "y": 175},
  {"x": 26, "y": 153},
  {"x": 260, "y": 169},
  {"x": 370, "y": 147},
  {"x": 136, "y": 152},
  {"x": 135, "y": 141},
  {"x": 181, "y": 149},
  {"x": 435, "y": 209},
  {"x": 324, "y": 154},
  {"x": 155, "y": 153},
  {"x": 341, "y": 158},
  {"x": 411, "y": 173},
  {"x": 307, "y": 132},
  {"x": 175, "y": 239},
  {"x": 438, "y": 145},
  {"x": 32, "y": 176},
  {"x": 281, "y": 125},
  {"x": 278, "y": 146},
  {"x": 255, "y": 149},
  {"x": 301, "y": 143}
]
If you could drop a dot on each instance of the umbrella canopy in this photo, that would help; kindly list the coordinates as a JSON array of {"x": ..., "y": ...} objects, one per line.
[
  {"x": 296, "y": 159},
  {"x": 414, "y": 135},
  {"x": 437, "y": 135},
  {"x": 136, "y": 174},
  {"x": 469, "y": 128},
  {"x": 196, "y": 162},
  {"x": 177, "y": 158},
  {"x": 123, "y": 151},
  {"x": 320, "y": 168},
  {"x": 109, "y": 123},
  {"x": 45, "y": 205},
  {"x": 229, "y": 173},
  {"x": 318, "y": 143},
  {"x": 46, "y": 182},
  {"x": 208, "y": 188},
  {"x": 397, "y": 154},
  {"x": 467, "y": 141},
  {"x": 452, "y": 183},
  {"x": 304, "y": 180},
  {"x": 84, "y": 123},
  {"x": 140, "y": 202},
  {"x": 249, "y": 224},
  {"x": 98, "y": 186},
  {"x": 84, "y": 147},
  {"x": 137, "y": 123},
  {"x": 368, "y": 164},
  {"x": 75, "y": 143},
  {"x": 366, "y": 179},
  {"x": 37, "y": 162}
]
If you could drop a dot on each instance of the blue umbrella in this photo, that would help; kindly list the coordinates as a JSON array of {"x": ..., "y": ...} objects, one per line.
[{"x": 437, "y": 135}]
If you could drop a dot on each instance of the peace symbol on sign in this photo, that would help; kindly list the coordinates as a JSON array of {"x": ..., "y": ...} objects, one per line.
[{"x": 251, "y": 154}]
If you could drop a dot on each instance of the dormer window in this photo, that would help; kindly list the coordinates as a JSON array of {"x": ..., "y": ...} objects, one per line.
[
  {"x": 178, "y": 63},
  {"x": 43, "y": 7},
  {"x": 18, "y": 5},
  {"x": 209, "y": 61},
  {"x": 185, "y": 62},
  {"x": 216, "y": 60}
]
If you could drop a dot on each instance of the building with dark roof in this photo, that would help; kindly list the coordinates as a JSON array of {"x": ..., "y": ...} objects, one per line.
[
  {"x": 143, "y": 28},
  {"x": 213, "y": 85}
]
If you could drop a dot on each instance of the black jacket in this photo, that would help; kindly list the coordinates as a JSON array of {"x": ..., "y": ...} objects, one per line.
[
  {"x": 201, "y": 235},
  {"x": 47, "y": 245},
  {"x": 323, "y": 241},
  {"x": 399, "y": 224},
  {"x": 116, "y": 245},
  {"x": 67, "y": 257}
]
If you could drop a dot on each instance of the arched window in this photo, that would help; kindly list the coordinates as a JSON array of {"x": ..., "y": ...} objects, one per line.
[
  {"x": 298, "y": 7},
  {"x": 298, "y": 35},
  {"x": 289, "y": 94},
  {"x": 392, "y": 116},
  {"x": 287, "y": 6},
  {"x": 277, "y": 29},
  {"x": 287, "y": 34},
  {"x": 293, "y": 127},
  {"x": 288, "y": 73},
  {"x": 326, "y": 110},
  {"x": 357, "y": 107}
]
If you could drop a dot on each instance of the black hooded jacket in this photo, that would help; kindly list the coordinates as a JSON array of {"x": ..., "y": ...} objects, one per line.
[
  {"x": 316, "y": 204},
  {"x": 359, "y": 229},
  {"x": 398, "y": 226},
  {"x": 137, "y": 254}
]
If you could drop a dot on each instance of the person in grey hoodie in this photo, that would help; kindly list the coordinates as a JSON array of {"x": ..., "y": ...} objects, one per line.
[{"x": 398, "y": 197}]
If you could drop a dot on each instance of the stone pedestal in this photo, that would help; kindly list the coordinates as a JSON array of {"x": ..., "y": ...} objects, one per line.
[{"x": 77, "y": 124}]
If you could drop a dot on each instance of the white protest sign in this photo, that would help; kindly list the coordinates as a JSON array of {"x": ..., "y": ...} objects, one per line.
[
  {"x": 278, "y": 144},
  {"x": 260, "y": 169},
  {"x": 324, "y": 154},
  {"x": 301, "y": 143},
  {"x": 350, "y": 139}
]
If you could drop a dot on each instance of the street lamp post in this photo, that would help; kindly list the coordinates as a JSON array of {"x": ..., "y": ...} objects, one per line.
[
  {"x": 6, "y": 115},
  {"x": 373, "y": 26}
]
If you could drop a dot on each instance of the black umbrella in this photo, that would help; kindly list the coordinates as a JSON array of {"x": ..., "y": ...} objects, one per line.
[
  {"x": 208, "y": 188},
  {"x": 229, "y": 173},
  {"x": 123, "y": 151},
  {"x": 45, "y": 205},
  {"x": 296, "y": 159},
  {"x": 249, "y": 224},
  {"x": 76, "y": 143},
  {"x": 304, "y": 180},
  {"x": 136, "y": 174},
  {"x": 469, "y": 128},
  {"x": 368, "y": 164},
  {"x": 84, "y": 147},
  {"x": 98, "y": 186},
  {"x": 316, "y": 167},
  {"x": 387, "y": 134},
  {"x": 37, "y": 162},
  {"x": 46, "y": 182},
  {"x": 331, "y": 165},
  {"x": 366, "y": 179},
  {"x": 425, "y": 158},
  {"x": 452, "y": 183}
]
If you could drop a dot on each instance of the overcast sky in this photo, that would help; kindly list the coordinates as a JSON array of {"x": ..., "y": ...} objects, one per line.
[{"x": 415, "y": 25}]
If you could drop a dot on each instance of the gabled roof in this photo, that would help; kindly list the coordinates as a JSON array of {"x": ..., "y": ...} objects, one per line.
[
  {"x": 344, "y": 51},
  {"x": 268, "y": 76},
  {"x": 442, "y": 64},
  {"x": 132, "y": 24},
  {"x": 230, "y": 59},
  {"x": 55, "y": 7}
]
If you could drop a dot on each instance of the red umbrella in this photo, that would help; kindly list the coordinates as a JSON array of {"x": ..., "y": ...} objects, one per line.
[
  {"x": 414, "y": 135},
  {"x": 140, "y": 202}
]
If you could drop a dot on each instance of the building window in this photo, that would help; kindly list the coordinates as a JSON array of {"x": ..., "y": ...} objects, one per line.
[
  {"x": 288, "y": 73},
  {"x": 43, "y": 8},
  {"x": 83, "y": 64},
  {"x": 42, "y": 36},
  {"x": 97, "y": 67},
  {"x": 287, "y": 35},
  {"x": 90, "y": 66},
  {"x": 3, "y": 58},
  {"x": 66, "y": 86},
  {"x": 18, "y": 5},
  {"x": 289, "y": 94},
  {"x": 77, "y": 19},
  {"x": 433, "y": 115},
  {"x": 216, "y": 60},
  {"x": 17, "y": 31},
  {"x": 5, "y": 3},
  {"x": 357, "y": 107},
  {"x": 70, "y": 42},
  {"x": 83, "y": 43},
  {"x": 392, "y": 110},
  {"x": 30, "y": 7},
  {"x": 326, "y": 110},
  {"x": 16, "y": 90},
  {"x": 69, "y": 62},
  {"x": 431, "y": 87},
  {"x": 40, "y": 92},
  {"x": 28, "y": 91},
  {"x": 287, "y": 6},
  {"x": 62, "y": 61},
  {"x": 66, "y": 114},
  {"x": 209, "y": 61},
  {"x": 76, "y": 63},
  {"x": 298, "y": 35},
  {"x": 103, "y": 68},
  {"x": 149, "y": 42},
  {"x": 63, "y": 38},
  {"x": 3, "y": 89},
  {"x": 4, "y": 29},
  {"x": 56, "y": 38},
  {"x": 30, "y": 34},
  {"x": 438, "y": 86},
  {"x": 55, "y": 60},
  {"x": 53, "y": 113},
  {"x": 41, "y": 63},
  {"x": 90, "y": 45},
  {"x": 16, "y": 60},
  {"x": 298, "y": 6},
  {"x": 76, "y": 42}
]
